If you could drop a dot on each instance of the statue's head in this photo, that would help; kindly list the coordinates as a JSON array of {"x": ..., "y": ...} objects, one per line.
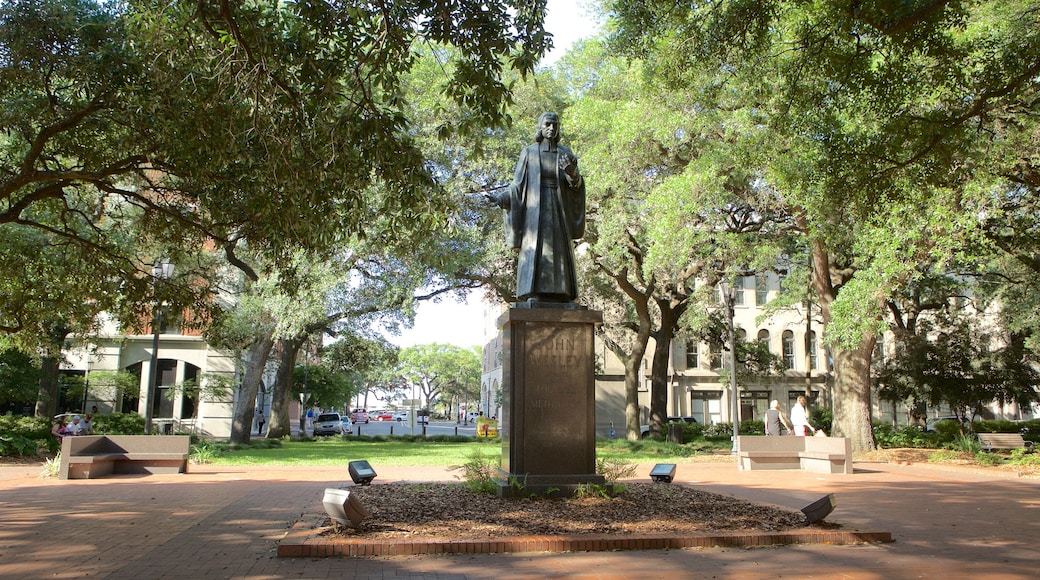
[{"x": 548, "y": 128}]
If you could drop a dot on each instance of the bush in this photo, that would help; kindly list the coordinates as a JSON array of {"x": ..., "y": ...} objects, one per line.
[
  {"x": 752, "y": 427},
  {"x": 480, "y": 473},
  {"x": 983, "y": 458},
  {"x": 693, "y": 431},
  {"x": 718, "y": 431},
  {"x": 119, "y": 424},
  {"x": 25, "y": 435},
  {"x": 888, "y": 436},
  {"x": 822, "y": 418}
]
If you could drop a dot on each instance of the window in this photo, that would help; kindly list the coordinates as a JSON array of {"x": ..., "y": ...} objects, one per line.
[
  {"x": 788, "y": 342},
  {"x": 741, "y": 334},
  {"x": 812, "y": 349},
  {"x": 716, "y": 356},
  {"x": 692, "y": 361},
  {"x": 763, "y": 337},
  {"x": 706, "y": 406},
  {"x": 761, "y": 289},
  {"x": 753, "y": 404},
  {"x": 738, "y": 285}
]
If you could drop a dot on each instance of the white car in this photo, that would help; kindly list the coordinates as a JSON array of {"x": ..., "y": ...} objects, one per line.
[
  {"x": 400, "y": 416},
  {"x": 328, "y": 424}
]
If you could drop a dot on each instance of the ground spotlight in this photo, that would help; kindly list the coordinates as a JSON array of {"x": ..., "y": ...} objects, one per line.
[
  {"x": 820, "y": 508},
  {"x": 663, "y": 472},
  {"x": 361, "y": 472},
  {"x": 343, "y": 507}
]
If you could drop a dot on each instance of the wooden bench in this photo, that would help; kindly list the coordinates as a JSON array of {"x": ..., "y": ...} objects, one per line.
[
  {"x": 991, "y": 441},
  {"x": 92, "y": 456},
  {"x": 815, "y": 454}
]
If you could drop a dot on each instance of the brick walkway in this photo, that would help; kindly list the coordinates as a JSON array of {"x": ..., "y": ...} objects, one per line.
[{"x": 225, "y": 523}]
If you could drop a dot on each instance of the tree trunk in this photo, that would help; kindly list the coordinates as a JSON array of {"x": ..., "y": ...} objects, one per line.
[
  {"x": 282, "y": 395},
  {"x": 852, "y": 395},
  {"x": 670, "y": 314},
  {"x": 852, "y": 412},
  {"x": 47, "y": 395},
  {"x": 631, "y": 362},
  {"x": 245, "y": 406}
]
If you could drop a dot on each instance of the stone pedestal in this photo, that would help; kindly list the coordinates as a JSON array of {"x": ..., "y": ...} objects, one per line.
[{"x": 548, "y": 423}]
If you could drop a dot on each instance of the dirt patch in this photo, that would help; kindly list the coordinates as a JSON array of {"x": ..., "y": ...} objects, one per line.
[{"x": 452, "y": 511}]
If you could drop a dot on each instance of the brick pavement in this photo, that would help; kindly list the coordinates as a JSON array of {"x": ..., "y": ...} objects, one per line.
[{"x": 225, "y": 523}]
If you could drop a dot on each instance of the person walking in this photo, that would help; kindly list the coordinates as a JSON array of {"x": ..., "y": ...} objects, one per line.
[
  {"x": 776, "y": 423},
  {"x": 800, "y": 418}
]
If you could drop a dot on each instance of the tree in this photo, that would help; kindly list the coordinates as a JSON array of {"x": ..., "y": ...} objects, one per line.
[
  {"x": 19, "y": 377},
  {"x": 860, "y": 118},
  {"x": 259, "y": 127},
  {"x": 434, "y": 368}
]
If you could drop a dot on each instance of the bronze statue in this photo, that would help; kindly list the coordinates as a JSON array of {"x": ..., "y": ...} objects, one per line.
[{"x": 545, "y": 206}]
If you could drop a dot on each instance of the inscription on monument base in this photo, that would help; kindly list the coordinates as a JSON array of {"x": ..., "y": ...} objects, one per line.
[{"x": 549, "y": 411}]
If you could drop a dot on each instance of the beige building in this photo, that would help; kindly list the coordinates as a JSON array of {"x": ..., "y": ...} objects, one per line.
[{"x": 183, "y": 355}]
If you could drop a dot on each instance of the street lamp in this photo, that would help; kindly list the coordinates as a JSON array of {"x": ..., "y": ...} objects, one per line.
[
  {"x": 730, "y": 296},
  {"x": 162, "y": 270}
]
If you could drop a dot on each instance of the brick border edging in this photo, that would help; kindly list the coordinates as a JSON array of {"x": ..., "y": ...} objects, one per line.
[{"x": 303, "y": 541}]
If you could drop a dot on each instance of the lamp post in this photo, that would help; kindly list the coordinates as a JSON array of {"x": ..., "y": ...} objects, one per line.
[
  {"x": 731, "y": 299},
  {"x": 162, "y": 270}
]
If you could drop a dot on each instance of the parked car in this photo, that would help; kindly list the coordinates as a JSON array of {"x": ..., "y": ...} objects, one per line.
[
  {"x": 400, "y": 416},
  {"x": 382, "y": 416},
  {"x": 346, "y": 424},
  {"x": 472, "y": 415},
  {"x": 328, "y": 424},
  {"x": 359, "y": 416},
  {"x": 644, "y": 430}
]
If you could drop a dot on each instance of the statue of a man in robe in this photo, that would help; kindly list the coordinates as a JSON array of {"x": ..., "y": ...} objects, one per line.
[{"x": 546, "y": 212}]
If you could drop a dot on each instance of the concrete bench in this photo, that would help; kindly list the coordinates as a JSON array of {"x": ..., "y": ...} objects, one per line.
[
  {"x": 92, "y": 456},
  {"x": 815, "y": 454},
  {"x": 991, "y": 441}
]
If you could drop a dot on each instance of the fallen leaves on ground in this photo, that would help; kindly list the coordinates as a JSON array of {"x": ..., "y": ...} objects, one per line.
[{"x": 453, "y": 511}]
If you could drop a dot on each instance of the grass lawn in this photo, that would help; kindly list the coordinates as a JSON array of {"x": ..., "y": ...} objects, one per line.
[{"x": 335, "y": 451}]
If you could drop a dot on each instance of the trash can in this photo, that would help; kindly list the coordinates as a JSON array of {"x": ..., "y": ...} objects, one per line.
[{"x": 675, "y": 433}]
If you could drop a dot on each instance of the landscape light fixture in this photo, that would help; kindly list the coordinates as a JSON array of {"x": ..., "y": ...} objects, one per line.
[
  {"x": 820, "y": 508},
  {"x": 361, "y": 472},
  {"x": 343, "y": 507},
  {"x": 663, "y": 473}
]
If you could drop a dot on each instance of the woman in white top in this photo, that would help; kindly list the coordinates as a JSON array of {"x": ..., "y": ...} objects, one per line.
[{"x": 800, "y": 418}]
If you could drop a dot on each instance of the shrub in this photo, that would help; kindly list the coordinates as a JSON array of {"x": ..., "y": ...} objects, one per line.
[
  {"x": 204, "y": 452},
  {"x": 752, "y": 427},
  {"x": 888, "y": 436},
  {"x": 119, "y": 424},
  {"x": 693, "y": 431},
  {"x": 984, "y": 458},
  {"x": 822, "y": 418},
  {"x": 479, "y": 473},
  {"x": 25, "y": 435},
  {"x": 613, "y": 469},
  {"x": 968, "y": 443},
  {"x": 718, "y": 431}
]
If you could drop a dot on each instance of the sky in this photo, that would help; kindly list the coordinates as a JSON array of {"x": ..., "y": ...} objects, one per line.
[{"x": 462, "y": 324}]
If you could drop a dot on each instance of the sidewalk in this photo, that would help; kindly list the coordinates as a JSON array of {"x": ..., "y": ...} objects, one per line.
[{"x": 225, "y": 523}]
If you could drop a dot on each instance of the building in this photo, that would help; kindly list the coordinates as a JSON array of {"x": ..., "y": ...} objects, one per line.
[{"x": 698, "y": 379}]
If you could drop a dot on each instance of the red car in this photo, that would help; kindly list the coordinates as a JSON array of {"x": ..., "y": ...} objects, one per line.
[
  {"x": 383, "y": 416},
  {"x": 359, "y": 416}
]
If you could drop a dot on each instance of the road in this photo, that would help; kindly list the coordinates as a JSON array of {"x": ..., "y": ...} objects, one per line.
[{"x": 404, "y": 428}]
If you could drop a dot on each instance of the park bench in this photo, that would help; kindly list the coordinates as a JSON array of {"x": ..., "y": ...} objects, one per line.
[
  {"x": 92, "y": 456},
  {"x": 814, "y": 454},
  {"x": 991, "y": 441}
]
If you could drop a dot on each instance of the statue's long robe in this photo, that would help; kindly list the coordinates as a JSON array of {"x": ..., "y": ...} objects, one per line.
[{"x": 544, "y": 220}]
